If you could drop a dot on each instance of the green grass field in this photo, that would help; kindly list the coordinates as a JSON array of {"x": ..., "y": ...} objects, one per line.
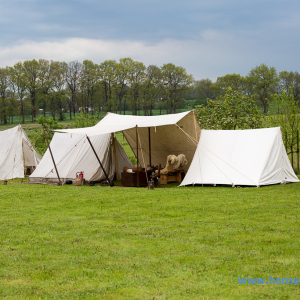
[{"x": 132, "y": 243}]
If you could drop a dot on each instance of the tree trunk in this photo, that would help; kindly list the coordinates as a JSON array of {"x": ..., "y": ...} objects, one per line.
[
  {"x": 22, "y": 113},
  {"x": 70, "y": 108}
]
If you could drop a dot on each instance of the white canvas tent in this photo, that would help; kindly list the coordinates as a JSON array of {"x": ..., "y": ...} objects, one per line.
[
  {"x": 72, "y": 153},
  {"x": 240, "y": 157},
  {"x": 16, "y": 154},
  {"x": 152, "y": 138}
]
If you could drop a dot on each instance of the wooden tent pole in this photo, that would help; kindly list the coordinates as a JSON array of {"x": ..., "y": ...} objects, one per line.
[
  {"x": 137, "y": 158},
  {"x": 149, "y": 135},
  {"x": 52, "y": 157},
  {"x": 195, "y": 123},
  {"x": 24, "y": 158},
  {"x": 115, "y": 155},
  {"x": 110, "y": 183}
]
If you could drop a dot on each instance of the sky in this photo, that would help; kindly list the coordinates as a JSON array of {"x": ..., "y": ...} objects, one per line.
[{"x": 208, "y": 38}]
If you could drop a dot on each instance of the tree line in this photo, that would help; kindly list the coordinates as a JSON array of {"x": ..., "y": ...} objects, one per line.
[
  {"x": 235, "y": 105},
  {"x": 261, "y": 82},
  {"x": 56, "y": 87}
]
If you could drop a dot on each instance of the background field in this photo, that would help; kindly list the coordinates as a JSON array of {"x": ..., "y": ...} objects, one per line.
[{"x": 132, "y": 243}]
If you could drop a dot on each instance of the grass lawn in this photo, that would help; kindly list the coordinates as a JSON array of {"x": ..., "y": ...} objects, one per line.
[{"x": 132, "y": 243}]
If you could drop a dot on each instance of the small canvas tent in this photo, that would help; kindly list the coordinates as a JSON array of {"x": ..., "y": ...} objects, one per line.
[
  {"x": 152, "y": 138},
  {"x": 17, "y": 156},
  {"x": 240, "y": 157},
  {"x": 72, "y": 153}
]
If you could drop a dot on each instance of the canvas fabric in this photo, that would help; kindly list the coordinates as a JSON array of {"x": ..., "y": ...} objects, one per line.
[
  {"x": 240, "y": 157},
  {"x": 73, "y": 154},
  {"x": 169, "y": 134},
  {"x": 16, "y": 152}
]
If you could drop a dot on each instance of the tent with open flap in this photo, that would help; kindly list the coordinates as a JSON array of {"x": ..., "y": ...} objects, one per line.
[
  {"x": 151, "y": 138},
  {"x": 73, "y": 153},
  {"x": 17, "y": 155}
]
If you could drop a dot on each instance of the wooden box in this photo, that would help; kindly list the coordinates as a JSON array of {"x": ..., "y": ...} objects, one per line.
[{"x": 130, "y": 179}]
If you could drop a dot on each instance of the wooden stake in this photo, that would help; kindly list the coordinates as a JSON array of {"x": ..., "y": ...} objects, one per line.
[{"x": 52, "y": 156}]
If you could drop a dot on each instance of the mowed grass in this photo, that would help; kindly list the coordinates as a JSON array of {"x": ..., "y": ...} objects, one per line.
[{"x": 133, "y": 243}]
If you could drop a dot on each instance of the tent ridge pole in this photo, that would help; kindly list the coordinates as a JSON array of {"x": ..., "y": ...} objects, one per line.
[
  {"x": 52, "y": 157},
  {"x": 98, "y": 159}
]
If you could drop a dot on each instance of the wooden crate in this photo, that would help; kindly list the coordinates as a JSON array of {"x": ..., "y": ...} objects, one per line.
[{"x": 130, "y": 179}]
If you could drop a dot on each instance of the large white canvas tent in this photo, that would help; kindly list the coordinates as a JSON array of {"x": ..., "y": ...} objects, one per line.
[
  {"x": 240, "y": 157},
  {"x": 72, "y": 153},
  {"x": 17, "y": 155},
  {"x": 152, "y": 138}
]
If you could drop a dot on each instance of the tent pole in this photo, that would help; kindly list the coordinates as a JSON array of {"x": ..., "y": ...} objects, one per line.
[
  {"x": 115, "y": 155},
  {"x": 52, "y": 157},
  {"x": 24, "y": 158},
  {"x": 137, "y": 158},
  {"x": 149, "y": 135},
  {"x": 195, "y": 123},
  {"x": 110, "y": 183}
]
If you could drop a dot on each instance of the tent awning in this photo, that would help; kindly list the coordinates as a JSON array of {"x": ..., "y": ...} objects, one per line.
[{"x": 115, "y": 123}]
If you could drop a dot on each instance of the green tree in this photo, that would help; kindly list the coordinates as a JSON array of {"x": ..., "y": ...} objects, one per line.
[
  {"x": 73, "y": 75},
  {"x": 203, "y": 89},
  {"x": 124, "y": 70},
  {"x": 4, "y": 94},
  {"x": 83, "y": 119},
  {"x": 235, "y": 81},
  {"x": 234, "y": 111},
  {"x": 151, "y": 88},
  {"x": 287, "y": 116},
  {"x": 44, "y": 78},
  {"x": 288, "y": 79},
  {"x": 89, "y": 79},
  {"x": 18, "y": 85},
  {"x": 108, "y": 81},
  {"x": 59, "y": 94},
  {"x": 48, "y": 125},
  {"x": 31, "y": 71},
  {"x": 136, "y": 76},
  {"x": 263, "y": 82},
  {"x": 176, "y": 83}
]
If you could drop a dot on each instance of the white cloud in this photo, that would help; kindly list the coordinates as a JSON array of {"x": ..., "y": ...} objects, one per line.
[{"x": 213, "y": 54}]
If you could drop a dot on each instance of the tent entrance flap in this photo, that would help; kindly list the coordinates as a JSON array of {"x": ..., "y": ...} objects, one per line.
[
  {"x": 52, "y": 157},
  {"x": 16, "y": 154},
  {"x": 98, "y": 159}
]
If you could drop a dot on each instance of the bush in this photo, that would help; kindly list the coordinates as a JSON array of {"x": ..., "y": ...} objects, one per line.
[{"x": 199, "y": 102}]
